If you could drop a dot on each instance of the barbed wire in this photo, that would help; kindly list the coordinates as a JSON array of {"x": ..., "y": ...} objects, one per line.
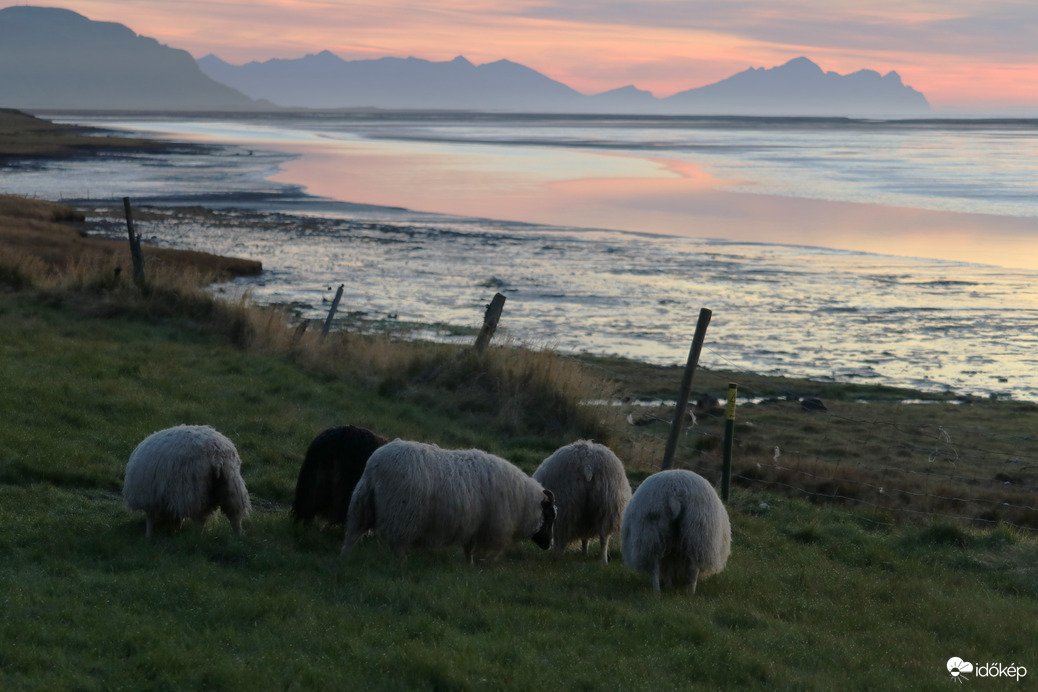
[
  {"x": 931, "y": 441},
  {"x": 884, "y": 489},
  {"x": 930, "y": 474},
  {"x": 885, "y": 508}
]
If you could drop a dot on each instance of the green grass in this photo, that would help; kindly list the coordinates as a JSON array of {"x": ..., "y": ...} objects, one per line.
[{"x": 813, "y": 597}]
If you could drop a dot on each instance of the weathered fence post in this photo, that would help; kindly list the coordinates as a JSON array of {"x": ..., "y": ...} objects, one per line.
[
  {"x": 331, "y": 312},
  {"x": 490, "y": 320},
  {"x": 135, "y": 245},
  {"x": 729, "y": 435},
  {"x": 686, "y": 386}
]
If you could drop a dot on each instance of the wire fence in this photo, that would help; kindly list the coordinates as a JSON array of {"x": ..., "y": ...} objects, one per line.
[{"x": 895, "y": 461}]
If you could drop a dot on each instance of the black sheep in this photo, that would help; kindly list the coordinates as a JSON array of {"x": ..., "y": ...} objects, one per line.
[{"x": 333, "y": 464}]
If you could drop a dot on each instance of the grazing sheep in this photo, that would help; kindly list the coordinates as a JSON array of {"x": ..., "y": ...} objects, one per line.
[
  {"x": 591, "y": 491},
  {"x": 333, "y": 464},
  {"x": 418, "y": 495},
  {"x": 676, "y": 529},
  {"x": 186, "y": 472}
]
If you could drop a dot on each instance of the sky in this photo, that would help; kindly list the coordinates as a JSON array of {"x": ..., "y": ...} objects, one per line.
[{"x": 969, "y": 56}]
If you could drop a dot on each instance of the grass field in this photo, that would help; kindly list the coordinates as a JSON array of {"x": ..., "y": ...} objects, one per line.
[{"x": 815, "y": 596}]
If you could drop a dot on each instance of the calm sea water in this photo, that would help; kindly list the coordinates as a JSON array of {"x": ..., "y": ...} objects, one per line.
[{"x": 780, "y": 305}]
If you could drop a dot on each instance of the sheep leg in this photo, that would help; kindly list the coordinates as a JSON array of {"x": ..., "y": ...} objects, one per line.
[
  {"x": 199, "y": 521},
  {"x": 584, "y": 546},
  {"x": 604, "y": 540},
  {"x": 655, "y": 574},
  {"x": 149, "y": 524},
  {"x": 352, "y": 537},
  {"x": 469, "y": 549},
  {"x": 693, "y": 577},
  {"x": 236, "y": 523}
]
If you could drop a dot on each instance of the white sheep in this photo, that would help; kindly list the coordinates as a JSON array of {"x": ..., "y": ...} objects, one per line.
[
  {"x": 676, "y": 529},
  {"x": 591, "y": 491},
  {"x": 418, "y": 495},
  {"x": 186, "y": 472}
]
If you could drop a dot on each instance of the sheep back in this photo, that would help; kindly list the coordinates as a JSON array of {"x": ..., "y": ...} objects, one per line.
[
  {"x": 333, "y": 464},
  {"x": 186, "y": 472},
  {"x": 676, "y": 529},
  {"x": 418, "y": 495},
  {"x": 591, "y": 490}
]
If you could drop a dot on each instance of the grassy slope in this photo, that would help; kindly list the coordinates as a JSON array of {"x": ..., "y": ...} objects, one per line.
[{"x": 811, "y": 597}]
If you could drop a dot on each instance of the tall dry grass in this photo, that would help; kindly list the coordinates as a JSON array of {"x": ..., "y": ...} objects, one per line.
[{"x": 525, "y": 391}]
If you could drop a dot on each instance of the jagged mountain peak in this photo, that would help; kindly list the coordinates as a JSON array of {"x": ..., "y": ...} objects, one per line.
[{"x": 57, "y": 58}]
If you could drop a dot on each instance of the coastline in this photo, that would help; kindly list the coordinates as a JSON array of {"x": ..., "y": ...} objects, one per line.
[
  {"x": 24, "y": 136},
  {"x": 610, "y": 188},
  {"x": 856, "y": 318},
  {"x": 53, "y": 233}
]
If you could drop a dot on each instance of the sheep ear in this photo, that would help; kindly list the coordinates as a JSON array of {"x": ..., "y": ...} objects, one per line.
[
  {"x": 549, "y": 497},
  {"x": 588, "y": 473},
  {"x": 675, "y": 507}
]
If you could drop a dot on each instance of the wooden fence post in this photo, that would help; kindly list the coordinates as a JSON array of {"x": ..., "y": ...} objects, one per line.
[
  {"x": 331, "y": 312},
  {"x": 135, "y": 245},
  {"x": 729, "y": 435},
  {"x": 686, "y": 386},
  {"x": 490, "y": 320}
]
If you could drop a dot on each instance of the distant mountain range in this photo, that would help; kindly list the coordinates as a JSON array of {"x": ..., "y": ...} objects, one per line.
[
  {"x": 54, "y": 59},
  {"x": 324, "y": 80}
]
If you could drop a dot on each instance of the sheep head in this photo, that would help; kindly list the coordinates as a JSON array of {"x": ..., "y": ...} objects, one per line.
[{"x": 544, "y": 536}]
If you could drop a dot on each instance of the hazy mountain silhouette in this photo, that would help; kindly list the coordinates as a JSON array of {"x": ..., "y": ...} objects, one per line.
[
  {"x": 327, "y": 81},
  {"x": 800, "y": 87},
  {"x": 57, "y": 59},
  {"x": 324, "y": 80}
]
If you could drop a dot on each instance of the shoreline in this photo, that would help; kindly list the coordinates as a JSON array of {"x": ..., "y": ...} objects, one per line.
[
  {"x": 607, "y": 189},
  {"x": 54, "y": 234},
  {"x": 845, "y": 370},
  {"x": 307, "y": 289},
  {"x": 24, "y": 136}
]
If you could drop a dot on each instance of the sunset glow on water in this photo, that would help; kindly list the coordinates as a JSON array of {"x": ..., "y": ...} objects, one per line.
[
  {"x": 613, "y": 245},
  {"x": 963, "y": 193}
]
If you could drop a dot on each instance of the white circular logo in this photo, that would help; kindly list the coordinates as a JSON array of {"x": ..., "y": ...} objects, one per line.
[{"x": 957, "y": 667}]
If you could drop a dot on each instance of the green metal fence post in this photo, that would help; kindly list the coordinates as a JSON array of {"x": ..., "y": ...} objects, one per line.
[{"x": 729, "y": 434}]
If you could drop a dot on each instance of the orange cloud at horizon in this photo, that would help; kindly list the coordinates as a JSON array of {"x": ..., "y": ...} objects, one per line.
[{"x": 603, "y": 48}]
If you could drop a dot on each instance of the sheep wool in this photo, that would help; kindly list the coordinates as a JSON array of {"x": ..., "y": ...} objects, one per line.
[
  {"x": 332, "y": 466},
  {"x": 186, "y": 472},
  {"x": 591, "y": 491},
  {"x": 676, "y": 530},
  {"x": 417, "y": 495}
]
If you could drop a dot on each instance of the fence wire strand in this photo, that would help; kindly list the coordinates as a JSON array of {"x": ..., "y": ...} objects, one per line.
[{"x": 959, "y": 473}]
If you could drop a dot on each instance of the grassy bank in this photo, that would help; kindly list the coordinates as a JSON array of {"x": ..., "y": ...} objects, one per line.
[
  {"x": 45, "y": 241},
  {"x": 23, "y": 136},
  {"x": 817, "y": 595}
]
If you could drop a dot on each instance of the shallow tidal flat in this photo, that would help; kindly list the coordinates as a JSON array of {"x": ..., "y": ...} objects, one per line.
[{"x": 777, "y": 310}]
